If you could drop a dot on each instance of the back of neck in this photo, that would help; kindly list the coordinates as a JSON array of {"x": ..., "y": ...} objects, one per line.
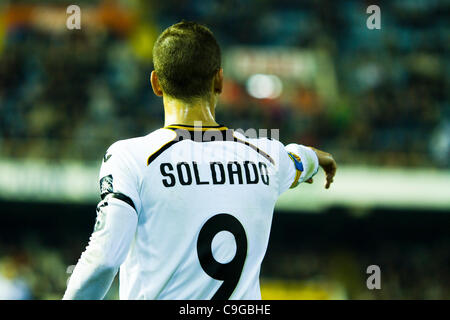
[{"x": 199, "y": 112}]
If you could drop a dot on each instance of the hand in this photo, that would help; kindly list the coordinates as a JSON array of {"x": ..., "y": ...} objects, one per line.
[{"x": 328, "y": 164}]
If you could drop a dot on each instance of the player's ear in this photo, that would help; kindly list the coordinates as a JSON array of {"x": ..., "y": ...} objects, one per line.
[
  {"x": 155, "y": 84},
  {"x": 218, "y": 81}
]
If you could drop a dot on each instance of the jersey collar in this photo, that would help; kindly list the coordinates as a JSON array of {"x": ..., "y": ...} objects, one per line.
[{"x": 195, "y": 128}]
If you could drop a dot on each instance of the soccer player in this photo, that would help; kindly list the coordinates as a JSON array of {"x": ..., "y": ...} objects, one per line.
[{"x": 186, "y": 210}]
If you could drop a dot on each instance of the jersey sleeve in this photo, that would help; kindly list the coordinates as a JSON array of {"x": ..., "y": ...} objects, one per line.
[
  {"x": 108, "y": 247},
  {"x": 298, "y": 163},
  {"x": 119, "y": 178},
  {"x": 114, "y": 229}
]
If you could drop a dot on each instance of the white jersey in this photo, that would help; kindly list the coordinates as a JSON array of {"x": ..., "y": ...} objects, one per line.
[{"x": 196, "y": 208}]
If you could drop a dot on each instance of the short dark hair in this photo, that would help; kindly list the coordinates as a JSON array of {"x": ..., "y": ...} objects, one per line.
[{"x": 186, "y": 56}]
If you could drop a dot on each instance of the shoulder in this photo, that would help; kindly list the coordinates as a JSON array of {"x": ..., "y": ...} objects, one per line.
[
  {"x": 271, "y": 147},
  {"x": 258, "y": 140},
  {"x": 138, "y": 149}
]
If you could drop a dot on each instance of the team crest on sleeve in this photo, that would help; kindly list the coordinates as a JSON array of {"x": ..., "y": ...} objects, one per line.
[
  {"x": 297, "y": 161},
  {"x": 106, "y": 185}
]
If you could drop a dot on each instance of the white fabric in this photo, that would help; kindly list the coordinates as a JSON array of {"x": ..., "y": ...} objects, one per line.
[
  {"x": 107, "y": 249},
  {"x": 155, "y": 245}
]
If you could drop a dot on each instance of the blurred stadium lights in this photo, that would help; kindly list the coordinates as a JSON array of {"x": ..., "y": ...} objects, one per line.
[
  {"x": 264, "y": 86},
  {"x": 312, "y": 68}
]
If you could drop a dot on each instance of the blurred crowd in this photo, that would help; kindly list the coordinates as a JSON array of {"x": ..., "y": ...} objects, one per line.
[
  {"x": 37, "y": 271},
  {"x": 69, "y": 94},
  {"x": 406, "y": 272}
]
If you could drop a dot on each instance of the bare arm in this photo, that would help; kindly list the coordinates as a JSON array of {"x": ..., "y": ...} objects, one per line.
[{"x": 328, "y": 164}]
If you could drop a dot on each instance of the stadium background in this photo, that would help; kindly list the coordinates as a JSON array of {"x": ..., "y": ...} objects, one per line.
[{"x": 376, "y": 99}]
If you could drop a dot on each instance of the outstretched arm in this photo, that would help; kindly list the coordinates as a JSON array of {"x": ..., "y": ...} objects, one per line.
[{"x": 299, "y": 163}]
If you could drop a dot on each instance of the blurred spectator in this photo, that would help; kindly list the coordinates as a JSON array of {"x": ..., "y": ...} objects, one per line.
[
  {"x": 12, "y": 284},
  {"x": 409, "y": 271}
]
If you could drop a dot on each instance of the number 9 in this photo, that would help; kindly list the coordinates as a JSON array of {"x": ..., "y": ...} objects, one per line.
[{"x": 229, "y": 272}]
